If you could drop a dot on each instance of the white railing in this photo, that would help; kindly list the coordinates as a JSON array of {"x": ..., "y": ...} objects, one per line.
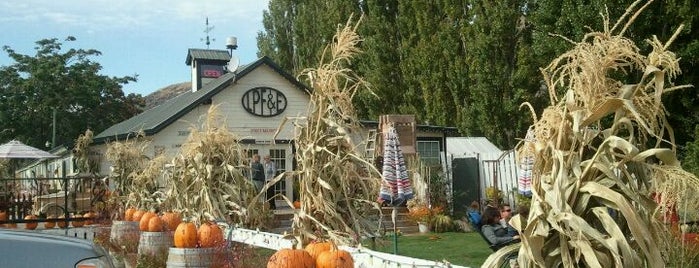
[{"x": 363, "y": 258}]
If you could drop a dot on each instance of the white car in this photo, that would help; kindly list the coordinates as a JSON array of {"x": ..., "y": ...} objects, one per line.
[{"x": 35, "y": 249}]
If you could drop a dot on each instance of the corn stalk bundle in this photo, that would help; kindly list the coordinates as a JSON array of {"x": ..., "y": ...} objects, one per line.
[
  {"x": 144, "y": 188},
  {"x": 337, "y": 187},
  {"x": 81, "y": 153},
  {"x": 206, "y": 180},
  {"x": 128, "y": 158},
  {"x": 601, "y": 151}
]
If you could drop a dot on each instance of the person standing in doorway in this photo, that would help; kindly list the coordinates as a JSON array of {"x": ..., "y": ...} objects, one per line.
[
  {"x": 270, "y": 173},
  {"x": 257, "y": 172}
]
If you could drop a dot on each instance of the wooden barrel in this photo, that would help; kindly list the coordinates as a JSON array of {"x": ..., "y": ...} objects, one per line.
[
  {"x": 155, "y": 243},
  {"x": 190, "y": 257},
  {"x": 124, "y": 232}
]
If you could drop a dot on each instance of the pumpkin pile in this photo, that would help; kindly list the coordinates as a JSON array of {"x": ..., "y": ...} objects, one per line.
[
  {"x": 206, "y": 236},
  {"x": 316, "y": 254},
  {"x": 31, "y": 225}
]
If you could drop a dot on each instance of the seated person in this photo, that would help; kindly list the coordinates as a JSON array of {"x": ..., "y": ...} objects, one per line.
[
  {"x": 493, "y": 230},
  {"x": 505, "y": 217},
  {"x": 474, "y": 214}
]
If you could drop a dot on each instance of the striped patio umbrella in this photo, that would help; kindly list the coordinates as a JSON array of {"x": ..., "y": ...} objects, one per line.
[{"x": 395, "y": 185}]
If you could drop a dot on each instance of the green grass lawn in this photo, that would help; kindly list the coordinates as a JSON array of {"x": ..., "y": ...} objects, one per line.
[{"x": 465, "y": 249}]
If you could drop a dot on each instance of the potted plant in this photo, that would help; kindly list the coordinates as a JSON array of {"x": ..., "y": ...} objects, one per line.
[{"x": 422, "y": 214}]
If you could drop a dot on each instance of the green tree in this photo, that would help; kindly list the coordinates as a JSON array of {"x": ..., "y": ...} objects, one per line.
[
  {"x": 571, "y": 19},
  {"x": 501, "y": 71},
  {"x": 277, "y": 41},
  {"x": 296, "y": 31},
  {"x": 65, "y": 83}
]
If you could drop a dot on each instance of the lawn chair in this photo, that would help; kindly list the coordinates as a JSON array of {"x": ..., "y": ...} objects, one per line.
[{"x": 494, "y": 247}]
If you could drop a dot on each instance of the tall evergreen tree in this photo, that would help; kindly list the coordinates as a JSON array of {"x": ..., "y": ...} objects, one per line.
[
  {"x": 277, "y": 41},
  {"x": 499, "y": 32},
  {"x": 380, "y": 64}
]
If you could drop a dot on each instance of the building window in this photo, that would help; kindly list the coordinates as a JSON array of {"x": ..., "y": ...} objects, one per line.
[
  {"x": 278, "y": 156},
  {"x": 429, "y": 152}
]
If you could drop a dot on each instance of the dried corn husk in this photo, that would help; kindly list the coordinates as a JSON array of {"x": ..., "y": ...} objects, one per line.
[
  {"x": 207, "y": 182},
  {"x": 600, "y": 151},
  {"x": 337, "y": 186}
]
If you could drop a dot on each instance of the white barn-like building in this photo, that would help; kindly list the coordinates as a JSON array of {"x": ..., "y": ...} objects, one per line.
[{"x": 254, "y": 100}]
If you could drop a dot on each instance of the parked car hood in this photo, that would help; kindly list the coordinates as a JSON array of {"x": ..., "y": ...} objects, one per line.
[{"x": 21, "y": 248}]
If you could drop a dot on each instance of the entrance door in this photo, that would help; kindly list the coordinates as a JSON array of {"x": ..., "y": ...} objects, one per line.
[
  {"x": 282, "y": 157},
  {"x": 466, "y": 184},
  {"x": 279, "y": 157}
]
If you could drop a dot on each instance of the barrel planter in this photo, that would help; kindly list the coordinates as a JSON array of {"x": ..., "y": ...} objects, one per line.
[
  {"x": 190, "y": 257},
  {"x": 155, "y": 243},
  {"x": 124, "y": 232}
]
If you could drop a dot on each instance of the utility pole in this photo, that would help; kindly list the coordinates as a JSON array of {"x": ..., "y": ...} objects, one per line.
[{"x": 53, "y": 136}]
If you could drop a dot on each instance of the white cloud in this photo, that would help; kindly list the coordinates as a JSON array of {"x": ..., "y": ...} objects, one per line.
[{"x": 98, "y": 15}]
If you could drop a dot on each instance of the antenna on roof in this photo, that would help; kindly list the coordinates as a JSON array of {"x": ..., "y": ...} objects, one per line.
[{"x": 207, "y": 30}]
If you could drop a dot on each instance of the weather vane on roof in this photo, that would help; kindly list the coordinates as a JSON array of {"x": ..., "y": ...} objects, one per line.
[{"x": 207, "y": 30}]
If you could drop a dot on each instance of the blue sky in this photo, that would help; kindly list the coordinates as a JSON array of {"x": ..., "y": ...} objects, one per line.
[{"x": 145, "y": 37}]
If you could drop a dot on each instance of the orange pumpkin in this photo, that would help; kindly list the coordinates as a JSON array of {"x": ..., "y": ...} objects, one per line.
[
  {"x": 62, "y": 223},
  {"x": 155, "y": 224},
  {"x": 3, "y": 217},
  {"x": 128, "y": 215},
  {"x": 89, "y": 217},
  {"x": 171, "y": 220},
  {"x": 31, "y": 225},
  {"x": 210, "y": 235},
  {"x": 50, "y": 224},
  {"x": 137, "y": 215},
  {"x": 316, "y": 248},
  {"x": 145, "y": 219},
  {"x": 297, "y": 204},
  {"x": 291, "y": 258},
  {"x": 186, "y": 235},
  {"x": 77, "y": 221},
  {"x": 335, "y": 258}
]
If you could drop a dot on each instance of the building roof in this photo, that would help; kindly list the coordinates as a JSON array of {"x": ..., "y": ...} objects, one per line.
[
  {"x": 424, "y": 128},
  {"x": 206, "y": 54},
  {"x": 472, "y": 147},
  {"x": 157, "y": 118}
]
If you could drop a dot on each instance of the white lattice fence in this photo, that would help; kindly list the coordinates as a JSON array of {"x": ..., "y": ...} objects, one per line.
[{"x": 363, "y": 257}]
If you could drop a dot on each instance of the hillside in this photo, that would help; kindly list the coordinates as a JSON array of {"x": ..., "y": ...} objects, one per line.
[{"x": 161, "y": 95}]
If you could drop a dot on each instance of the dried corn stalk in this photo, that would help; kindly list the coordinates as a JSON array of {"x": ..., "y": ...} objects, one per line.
[
  {"x": 81, "y": 153},
  {"x": 337, "y": 186},
  {"x": 600, "y": 151},
  {"x": 207, "y": 182},
  {"x": 144, "y": 190},
  {"x": 128, "y": 158}
]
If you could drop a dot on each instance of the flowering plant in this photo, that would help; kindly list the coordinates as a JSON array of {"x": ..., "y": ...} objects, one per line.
[{"x": 421, "y": 213}]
